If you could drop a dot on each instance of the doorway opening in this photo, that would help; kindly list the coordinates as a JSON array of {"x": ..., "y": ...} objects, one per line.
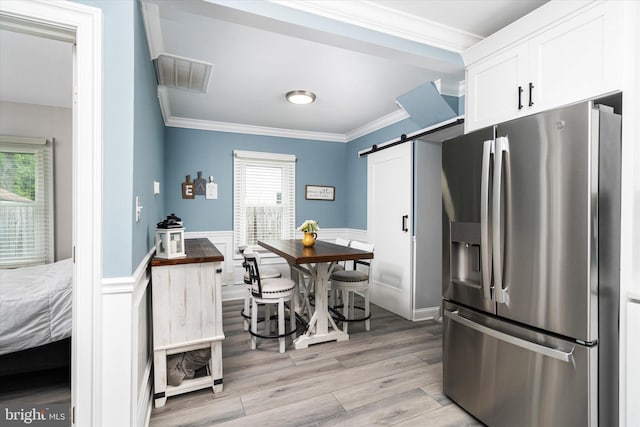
[{"x": 83, "y": 25}]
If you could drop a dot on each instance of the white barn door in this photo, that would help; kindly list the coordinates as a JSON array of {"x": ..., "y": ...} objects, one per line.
[{"x": 389, "y": 224}]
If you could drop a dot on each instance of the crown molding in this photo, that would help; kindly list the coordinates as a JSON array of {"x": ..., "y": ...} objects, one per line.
[
  {"x": 450, "y": 87},
  {"x": 384, "y": 121},
  {"x": 535, "y": 22},
  {"x": 151, "y": 21},
  {"x": 389, "y": 21},
  {"x": 163, "y": 100},
  {"x": 181, "y": 122}
]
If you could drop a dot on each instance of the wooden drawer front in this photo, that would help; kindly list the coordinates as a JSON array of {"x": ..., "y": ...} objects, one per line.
[{"x": 184, "y": 304}]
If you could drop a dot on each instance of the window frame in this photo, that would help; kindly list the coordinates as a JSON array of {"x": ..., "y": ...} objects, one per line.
[
  {"x": 242, "y": 159},
  {"x": 42, "y": 148}
]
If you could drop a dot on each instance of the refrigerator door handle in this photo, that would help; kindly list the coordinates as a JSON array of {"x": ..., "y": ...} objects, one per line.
[
  {"x": 522, "y": 343},
  {"x": 485, "y": 226},
  {"x": 501, "y": 147}
]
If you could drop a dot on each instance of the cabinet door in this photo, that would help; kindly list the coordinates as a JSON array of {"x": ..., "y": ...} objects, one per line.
[
  {"x": 493, "y": 88},
  {"x": 578, "y": 59}
]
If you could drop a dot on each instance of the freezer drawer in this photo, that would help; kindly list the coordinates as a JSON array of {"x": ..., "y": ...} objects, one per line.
[{"x": 506, "y": 375}]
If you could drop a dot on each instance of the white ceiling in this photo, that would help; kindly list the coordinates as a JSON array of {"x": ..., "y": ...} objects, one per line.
[
  {"x": 358, "y": 57},
  {"x": 35, "y": 70}
]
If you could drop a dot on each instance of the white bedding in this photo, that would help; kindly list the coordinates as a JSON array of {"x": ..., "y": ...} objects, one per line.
[{"x": 35, "y": 305}]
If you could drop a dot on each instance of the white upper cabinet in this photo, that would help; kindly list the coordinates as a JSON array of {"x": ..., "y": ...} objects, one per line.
[
  {"x": 576, "y": 57},
  {"x": 494, "y": 88}
]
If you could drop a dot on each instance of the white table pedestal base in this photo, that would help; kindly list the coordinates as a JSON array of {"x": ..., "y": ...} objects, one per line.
[{"x": 318, "y": 328}]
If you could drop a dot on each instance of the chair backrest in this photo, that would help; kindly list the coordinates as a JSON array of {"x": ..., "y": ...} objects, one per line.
[
  {"x": 363, "y": 246},
  {"x": 251, "y": 261},
  {"x": 342, "y": 242}
]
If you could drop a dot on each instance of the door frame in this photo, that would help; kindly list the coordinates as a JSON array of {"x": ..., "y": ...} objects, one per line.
[{"x": 86, "y": 22}]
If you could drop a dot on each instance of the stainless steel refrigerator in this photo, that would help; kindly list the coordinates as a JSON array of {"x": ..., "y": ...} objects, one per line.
[{"x": 531, "y": 236}]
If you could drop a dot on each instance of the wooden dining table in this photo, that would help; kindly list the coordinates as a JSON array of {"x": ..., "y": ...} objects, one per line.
[{"x": 318, "y": 262}]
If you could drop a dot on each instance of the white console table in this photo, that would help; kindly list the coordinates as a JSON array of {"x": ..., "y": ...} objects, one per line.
[{"x": 187, "y": 315}]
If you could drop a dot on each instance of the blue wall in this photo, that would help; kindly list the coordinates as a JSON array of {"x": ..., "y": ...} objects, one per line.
[
  {"x": 117, "y": 134},
  {"x": 148, "y": 150},
  {"x": 128, "y": 97},
  {"x": 188, "y": 151}
]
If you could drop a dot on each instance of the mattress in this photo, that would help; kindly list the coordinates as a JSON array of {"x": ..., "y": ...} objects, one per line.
[{"x": 35, "y": 305}]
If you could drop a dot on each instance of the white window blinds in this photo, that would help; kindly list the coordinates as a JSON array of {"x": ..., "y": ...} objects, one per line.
[
  {"x": 263, "y": 197},
  {"x": 26, "y": 202}
]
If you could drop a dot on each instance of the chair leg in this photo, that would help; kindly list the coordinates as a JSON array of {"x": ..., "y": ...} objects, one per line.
[
  {"x": 345, "y": 310},
  {"x": 352, "y": 305},
  {"x": 367, "y": 323},
  {"x": 292, "y": 316},
  {"x": 281, "y": 324},
  {"x": 247, "y": 309},
  {"x": 254, "y": 322}
]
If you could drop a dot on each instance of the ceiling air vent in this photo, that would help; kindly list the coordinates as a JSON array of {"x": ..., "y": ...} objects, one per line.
[{"x": 182, "y": 73}]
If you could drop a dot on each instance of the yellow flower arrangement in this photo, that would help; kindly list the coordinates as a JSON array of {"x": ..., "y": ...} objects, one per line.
[{"x": 309, "y": 226}]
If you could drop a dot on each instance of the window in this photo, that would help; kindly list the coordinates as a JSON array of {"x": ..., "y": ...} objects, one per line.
[
  {"x": 264, "y": 197},
  {"x": 26, "y": 204}
]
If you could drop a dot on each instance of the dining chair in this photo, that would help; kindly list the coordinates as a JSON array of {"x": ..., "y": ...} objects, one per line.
[
  {"x": 352, "y": 282},
  {"x": 265, "y": 273},
  {"x": 275, "y": 291},
  {"x": 334, "y": 298}
]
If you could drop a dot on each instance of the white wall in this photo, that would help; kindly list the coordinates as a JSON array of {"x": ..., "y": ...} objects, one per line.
[{"x": 41, "y": 121}]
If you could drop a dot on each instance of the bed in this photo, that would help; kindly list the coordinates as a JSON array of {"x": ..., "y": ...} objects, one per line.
[{"x": 35, "y": 308}]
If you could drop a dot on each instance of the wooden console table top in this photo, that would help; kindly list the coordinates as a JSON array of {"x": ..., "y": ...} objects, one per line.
[{"x": 197, "y": 250}]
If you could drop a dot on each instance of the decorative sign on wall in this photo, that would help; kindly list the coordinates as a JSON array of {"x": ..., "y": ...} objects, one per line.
[
  {"x": 187, "y": 189},
  {"x": 199, "y": 187},
  {"x": 212, "y": 189},
  {"x": 320, "y": 192}
]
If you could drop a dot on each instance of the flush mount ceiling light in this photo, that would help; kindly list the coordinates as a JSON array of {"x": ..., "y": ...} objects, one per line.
[{"x": 300, "y": 97}]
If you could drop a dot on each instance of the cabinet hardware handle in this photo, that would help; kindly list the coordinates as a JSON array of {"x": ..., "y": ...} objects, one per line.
[
  {"x": 404, "y": 222},
  {"x": 531, "y": 94},
  {"x": 520, "y": 97}
]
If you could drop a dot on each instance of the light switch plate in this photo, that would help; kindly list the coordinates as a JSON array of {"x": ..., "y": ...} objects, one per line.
[
  {"x": 138, "y": 208},
  {"x": 156, "y": 187}
]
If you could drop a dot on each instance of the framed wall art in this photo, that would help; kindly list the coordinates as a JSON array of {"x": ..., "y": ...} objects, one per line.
[{"x": 320, "y": 192}]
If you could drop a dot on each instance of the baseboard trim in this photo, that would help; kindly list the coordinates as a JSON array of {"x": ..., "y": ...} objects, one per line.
[{"x": 429, "y": 313}]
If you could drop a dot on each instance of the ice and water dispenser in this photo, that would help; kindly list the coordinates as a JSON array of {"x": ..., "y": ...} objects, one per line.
[{"x": 465, "y": 254}]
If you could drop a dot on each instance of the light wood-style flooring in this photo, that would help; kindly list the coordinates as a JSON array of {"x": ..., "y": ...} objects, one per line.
[{"x": 391, "y": 375}]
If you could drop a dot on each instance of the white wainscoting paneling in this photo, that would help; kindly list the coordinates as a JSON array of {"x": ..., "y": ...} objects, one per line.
[{"x": 126, "y": 344}]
